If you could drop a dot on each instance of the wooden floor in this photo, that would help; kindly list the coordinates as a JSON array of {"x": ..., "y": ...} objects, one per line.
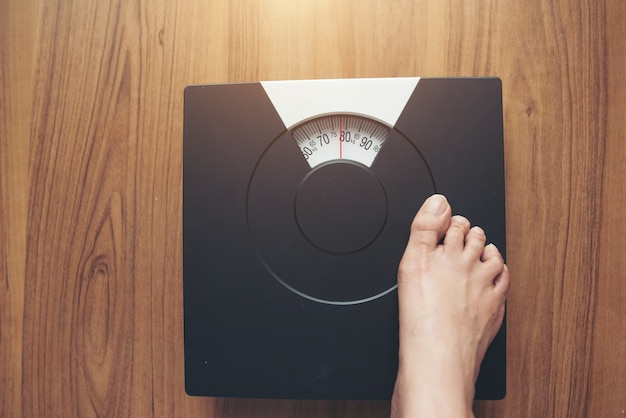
[{"x": 90, "y": 185}]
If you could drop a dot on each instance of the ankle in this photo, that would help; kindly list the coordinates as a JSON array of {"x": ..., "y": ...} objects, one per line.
[
  {"x": 435, "y": 384},
  {"x": 421, "y": 398}
]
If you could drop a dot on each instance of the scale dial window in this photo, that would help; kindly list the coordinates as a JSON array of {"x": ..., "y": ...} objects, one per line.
[{"x": 340, "y": 137}]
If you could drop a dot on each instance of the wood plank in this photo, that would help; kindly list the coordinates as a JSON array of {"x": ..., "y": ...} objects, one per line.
[
  {"x": 605, "y": 394},
  {"x": 16, "y": 90}
]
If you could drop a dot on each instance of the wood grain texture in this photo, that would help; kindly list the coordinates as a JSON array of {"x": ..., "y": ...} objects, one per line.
[
  {"x": 16, "y": 85},
  {"x": 90, "y": 185}
]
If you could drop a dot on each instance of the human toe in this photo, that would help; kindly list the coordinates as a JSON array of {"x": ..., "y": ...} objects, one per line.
[
  {"x": 430, "y": 223},
  {"x": 475, "y": 242},
  {"x": 490, "y": 252},
  {"x": 502, "y": 282},
  {"x": 455, "y": 235},
  {"x": 492, "y": 259}
]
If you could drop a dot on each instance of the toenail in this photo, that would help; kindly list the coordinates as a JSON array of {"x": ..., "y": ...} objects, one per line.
[
  {"x": 436, "y": 204},
  {"x": 458, "y": 219},
  {"x": 478, "y": 230}
]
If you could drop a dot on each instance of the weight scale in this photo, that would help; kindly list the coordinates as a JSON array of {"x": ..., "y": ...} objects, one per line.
[{"x": 297, "y": 202}]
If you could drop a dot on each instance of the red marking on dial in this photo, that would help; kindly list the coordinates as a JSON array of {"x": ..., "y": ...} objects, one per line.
[{"x": 340, "y": 139}]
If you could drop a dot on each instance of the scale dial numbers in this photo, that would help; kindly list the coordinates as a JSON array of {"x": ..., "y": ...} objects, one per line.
[{"x": 340, "y": 137}]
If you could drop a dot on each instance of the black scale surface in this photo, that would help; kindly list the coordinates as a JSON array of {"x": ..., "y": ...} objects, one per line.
[{"x": 290, "y": 272}]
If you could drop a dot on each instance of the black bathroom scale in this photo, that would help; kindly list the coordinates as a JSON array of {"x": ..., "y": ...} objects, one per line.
[{"x": 297, "y": 202}]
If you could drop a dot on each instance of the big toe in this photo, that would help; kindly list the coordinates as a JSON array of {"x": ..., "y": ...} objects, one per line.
[{"x": 431, "y": 223}]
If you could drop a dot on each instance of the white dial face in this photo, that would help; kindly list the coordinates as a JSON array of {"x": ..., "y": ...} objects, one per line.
[{"x": 340, "y": 137}]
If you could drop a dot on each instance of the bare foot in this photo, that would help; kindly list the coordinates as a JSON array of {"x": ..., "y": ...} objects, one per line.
[{"x": 451, "y": 301}]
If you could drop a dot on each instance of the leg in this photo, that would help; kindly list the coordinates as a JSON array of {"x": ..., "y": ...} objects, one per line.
[{"x": 451, "y": 301}]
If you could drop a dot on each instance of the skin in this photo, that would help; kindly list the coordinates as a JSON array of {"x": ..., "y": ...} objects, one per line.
[{"x": 451, "y": 302}]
